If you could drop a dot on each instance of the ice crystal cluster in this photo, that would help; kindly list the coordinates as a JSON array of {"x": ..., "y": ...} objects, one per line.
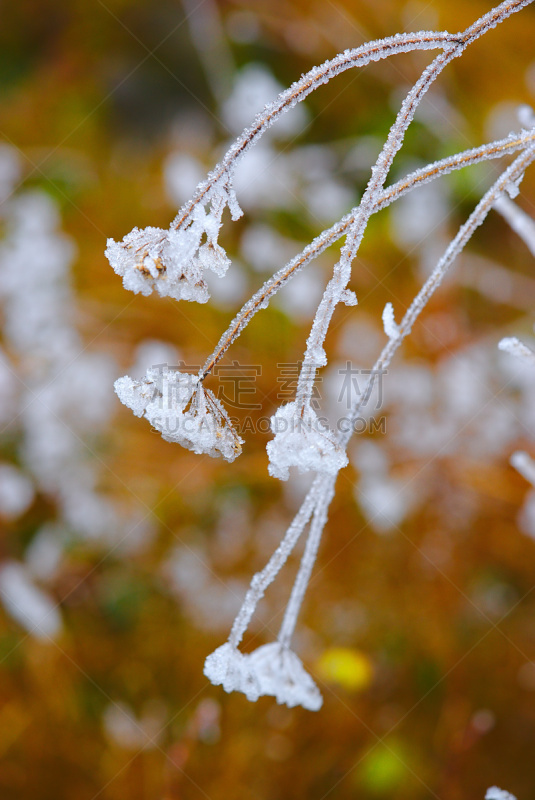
[
  {"x": 271, "y": 669},
  {"x": 182, "y": 410},
  {"x": 175, "y": 262},
  {"x": 302, "y": 440}
]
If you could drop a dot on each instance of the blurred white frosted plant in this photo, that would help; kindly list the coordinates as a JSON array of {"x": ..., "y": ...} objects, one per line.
[
  {"x": 54, "y": 400},
  {"x": 174, "y": 262},
  {"x": 498, "y": 794}
]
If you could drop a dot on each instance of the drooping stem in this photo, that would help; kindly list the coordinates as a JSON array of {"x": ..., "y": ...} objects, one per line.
[
  {"x": 307, "y": 561},
  {"x": 342, "y": 270},
  {"x": 316, "y": 77},
  {"x": 265, "y": 577},
  {"x": 510, "y": 176},
  {"x": 417, "y": 178}
]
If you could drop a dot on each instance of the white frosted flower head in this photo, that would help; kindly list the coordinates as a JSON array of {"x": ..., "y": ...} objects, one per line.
[
  {"x": 280, "y": 674},
  {"x": 498, "y": 794},
  {"x": 271, "y": 670},
  {"x": 171, "y": 262},
  {"x": 303, "y": 441},
  {"x": 178, "y": 406},
  {"x": 229, "y": 668}
]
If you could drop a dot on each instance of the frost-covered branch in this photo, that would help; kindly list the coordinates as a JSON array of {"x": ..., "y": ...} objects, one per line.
[
  {"x": 514, "y": 174},
  {"x": 419, "y": 177},
  {"x": 334, "y": 293},
  {"x": 174, "y": 262}
]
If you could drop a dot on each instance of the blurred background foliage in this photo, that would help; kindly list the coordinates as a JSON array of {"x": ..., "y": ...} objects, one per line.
[{"x": 419, "y": 625}]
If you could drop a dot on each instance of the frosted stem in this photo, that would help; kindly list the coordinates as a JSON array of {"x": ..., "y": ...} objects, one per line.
[
  {"x": 519, "y": 221},
  {"x": 512, "y": 174},
  {"x": 342, "y": 270},
  {"x": 265, "y": 577},
  {"x": 402, "y": 187},
  {"x": 358, "y": 57},
  {"x": 307, "y": 561}
]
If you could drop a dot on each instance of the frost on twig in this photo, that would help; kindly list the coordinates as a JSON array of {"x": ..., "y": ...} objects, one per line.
[
  {"x": 163, "y": 260},
  {"x": 389, "y": 195},
  {"x": 302, "y": 440},
  {"x": 229, "y": 668},
  {"x": 182, "y": 410}
]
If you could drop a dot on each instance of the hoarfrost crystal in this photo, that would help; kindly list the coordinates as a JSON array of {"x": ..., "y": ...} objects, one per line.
[
  {"x": 271, "y": 670},
  {"x": 229, "y": 668},
  {"x": 280, "y": 674},
  {"x": 304, "y": 441},
  {"x": 171, "y": 262},
  {"x": 389, "y": 323},
  {"x": 182, "y": 410}
]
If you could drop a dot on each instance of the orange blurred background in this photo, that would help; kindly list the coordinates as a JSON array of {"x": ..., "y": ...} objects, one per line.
[{"x": 419, "y": 629}]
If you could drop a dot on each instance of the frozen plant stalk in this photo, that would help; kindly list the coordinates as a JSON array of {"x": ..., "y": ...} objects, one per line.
[{"x": 173, "y": 262}]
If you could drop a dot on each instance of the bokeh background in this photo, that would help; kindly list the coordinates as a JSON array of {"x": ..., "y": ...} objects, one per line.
[{"x": 123, "y": 557}]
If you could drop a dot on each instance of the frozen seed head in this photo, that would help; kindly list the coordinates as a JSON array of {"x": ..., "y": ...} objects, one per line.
[
  {"x": 303, "y": 441},
  {"x": 498, "y": 794},
  {"x": 171, "y": 262},
  {"x": 280, "y": 674},
  {"x": 179, "y": 407},
  {"x": 271, "y": 670}
]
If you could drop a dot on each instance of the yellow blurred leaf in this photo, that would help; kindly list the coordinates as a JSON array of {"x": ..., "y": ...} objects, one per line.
[{"x": 349, "y": 668}]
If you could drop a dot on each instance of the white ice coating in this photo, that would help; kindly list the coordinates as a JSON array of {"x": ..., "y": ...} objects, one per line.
[
  {"x": 315, "y": 447},
  {"x": 303, "y": 441},
  {"x": 476, "y": 218},
  {"x": 271, "y": 670},
  {"x": 228, "y": 667},
  {"x": 389, "y": 323},
  {"x": 260, "y": 300},
  {"x": 182, "y": 410},
  {"x": 280, "y": 674},
  {"x": 498, "y": 794},
  {"x": 168, "y": 261},
  {"x": 520, "y": 222},
  {"x": 513, "y": 346},
  {"x": 171, "y": 262}
]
